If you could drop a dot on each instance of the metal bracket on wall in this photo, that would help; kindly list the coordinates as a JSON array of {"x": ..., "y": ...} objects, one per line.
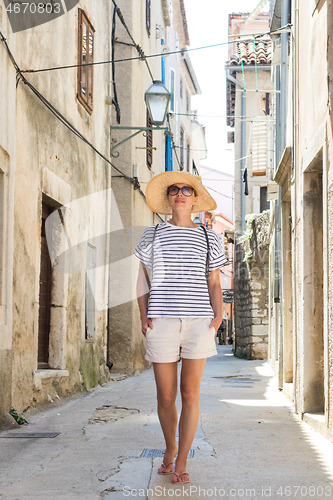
[{"x": 114, "y": 149}]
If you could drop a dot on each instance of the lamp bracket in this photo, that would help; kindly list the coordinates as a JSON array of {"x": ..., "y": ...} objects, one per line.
[{"x": 113, "y": 149}]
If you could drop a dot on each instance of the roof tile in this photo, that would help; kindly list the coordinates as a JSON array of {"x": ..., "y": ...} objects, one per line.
[{"x": 251, "y": 52}]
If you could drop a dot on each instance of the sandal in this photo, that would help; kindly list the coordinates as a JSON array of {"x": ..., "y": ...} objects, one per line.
[
  {"x": 163, "y": 469},
  {"x": 180, "y": 478}
]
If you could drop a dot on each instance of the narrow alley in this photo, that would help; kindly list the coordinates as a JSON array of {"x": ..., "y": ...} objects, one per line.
[{"x": 249, "y": 444}]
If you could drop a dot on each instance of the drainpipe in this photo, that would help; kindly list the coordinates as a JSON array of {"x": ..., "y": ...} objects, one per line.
[
  {"x": 284, "y": 73},
  {"x": 243, "y": 145},
  {"x": 281, "y": 147},
  {"x": 278, "y": 354},
  {"x": 243, "y": 148}
]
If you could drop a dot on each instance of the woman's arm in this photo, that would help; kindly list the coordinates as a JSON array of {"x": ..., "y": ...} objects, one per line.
[
  {"x": 143, "y": 284},
  {"x": 215, "y": 295}
]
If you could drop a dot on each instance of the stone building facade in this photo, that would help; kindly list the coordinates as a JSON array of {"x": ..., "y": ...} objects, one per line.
[
  {"x": 251, "y": 282},
  {"x": 301, "y": 329}
]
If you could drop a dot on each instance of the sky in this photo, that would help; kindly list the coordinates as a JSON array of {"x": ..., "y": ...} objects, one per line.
[{"x": 208, "y": 24}]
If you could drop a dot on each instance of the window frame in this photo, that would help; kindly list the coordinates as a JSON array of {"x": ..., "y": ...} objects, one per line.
[
  {"x": 85, "y": 100},
  {"x": 181, "y": 146},
  {"x": 188, "y": 154},
  {"x": 264, "y": 203},
  {"x": 172, "y": 90},
  {"x": 188, "y": 102}
]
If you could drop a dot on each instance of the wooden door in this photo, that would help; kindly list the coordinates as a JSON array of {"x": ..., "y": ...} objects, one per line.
[{"x": 44, "y": 295}]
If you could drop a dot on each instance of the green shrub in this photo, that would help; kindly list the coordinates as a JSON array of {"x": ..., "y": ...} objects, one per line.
[{"x": 20, "y": 420}]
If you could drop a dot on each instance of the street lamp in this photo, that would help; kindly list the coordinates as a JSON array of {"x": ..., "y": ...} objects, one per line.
[
  {"x": 157, "y": 99},
  {"x": 198, "y": 221}
]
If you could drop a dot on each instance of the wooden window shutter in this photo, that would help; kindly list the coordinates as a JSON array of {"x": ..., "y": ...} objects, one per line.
[
  {"x": 85, "y": 57},
  {"x": 148, "y": 16},
  {"x": 149, "y": 143}
]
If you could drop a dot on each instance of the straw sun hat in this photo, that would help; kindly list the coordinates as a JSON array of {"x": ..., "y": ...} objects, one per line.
[{"x": 156, "y": 192}]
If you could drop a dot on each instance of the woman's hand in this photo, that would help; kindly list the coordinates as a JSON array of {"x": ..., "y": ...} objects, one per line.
[
  {"x": 215, "y": 295},
  {"x": 145, "y": 324},
  {"x": 215, "y": 323}
]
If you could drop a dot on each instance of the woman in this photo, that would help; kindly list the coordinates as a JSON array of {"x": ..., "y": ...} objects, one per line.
[{"x": 184, "y": 309}]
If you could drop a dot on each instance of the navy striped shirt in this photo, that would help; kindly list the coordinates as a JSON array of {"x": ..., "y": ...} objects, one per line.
[{"x": 179, "y": 285}]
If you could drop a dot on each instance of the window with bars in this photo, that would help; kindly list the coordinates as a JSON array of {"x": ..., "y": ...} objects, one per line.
[
  {"x": 86, "y": 56},
  {"x": 149, "y": 142},
  {"x": 148, "y": 16}
]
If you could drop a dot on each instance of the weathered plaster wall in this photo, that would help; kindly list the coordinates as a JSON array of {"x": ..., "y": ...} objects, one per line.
[
  {"x": 7, "y": 167},
  {"x": 46, "y": 150}
]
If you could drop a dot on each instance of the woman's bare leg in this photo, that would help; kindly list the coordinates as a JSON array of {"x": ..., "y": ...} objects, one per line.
[
  {"x": 166, "y": 385},
  {"x": 191, "y": 374}
]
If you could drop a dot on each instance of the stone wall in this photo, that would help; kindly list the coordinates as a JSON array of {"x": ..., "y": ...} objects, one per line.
[{"x": 251, "y": 284}]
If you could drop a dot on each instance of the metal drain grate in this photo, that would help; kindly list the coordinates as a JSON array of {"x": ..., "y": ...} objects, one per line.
[
  {"x": 237, "y": 379},
  {"x": 153, "y": 453},
  {"x": 31, "y": 435}
]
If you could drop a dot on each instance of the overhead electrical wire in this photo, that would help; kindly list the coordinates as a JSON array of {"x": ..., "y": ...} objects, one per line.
[
  {"x": 64, "y": 120},
  {"x": 113, "y": 68},
  {"x": 136, "y": 45},
  {"x": 222, "y": 194},
  {"x": 196, "y": 115},
  {"x": 141, "y": 56},
  {"x": 144, "y": 57},
  {"x": 117, "y": 12}
]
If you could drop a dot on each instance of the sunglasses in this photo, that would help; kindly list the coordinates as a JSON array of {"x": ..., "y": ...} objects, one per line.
[{"x": 186, "y": 190}]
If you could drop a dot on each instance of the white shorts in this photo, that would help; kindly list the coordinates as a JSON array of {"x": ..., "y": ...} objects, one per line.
[{"x": 175, "y": 338}]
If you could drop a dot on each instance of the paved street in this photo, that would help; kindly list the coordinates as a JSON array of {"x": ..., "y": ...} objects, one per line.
[{"x": 249, "y": 443}]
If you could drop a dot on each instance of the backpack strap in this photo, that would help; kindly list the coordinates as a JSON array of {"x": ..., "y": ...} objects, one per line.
[
  {"x": 152, "y": 256},
  {"x": 207, "y": 259}
]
